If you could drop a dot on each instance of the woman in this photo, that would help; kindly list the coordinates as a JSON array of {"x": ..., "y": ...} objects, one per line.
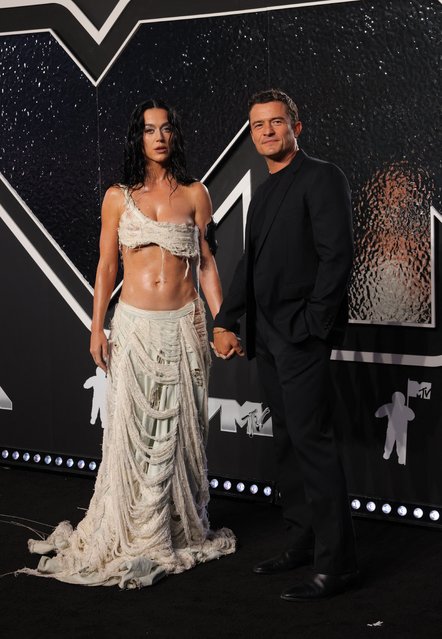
[{"x": 147, "y": 517}]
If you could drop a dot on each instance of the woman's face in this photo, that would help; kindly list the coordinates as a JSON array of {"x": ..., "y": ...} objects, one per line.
[{"x": 157, "y": 137}]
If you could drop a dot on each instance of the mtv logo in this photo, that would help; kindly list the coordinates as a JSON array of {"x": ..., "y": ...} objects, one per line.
[
  {"x": 421, "y": 390},
  {"x": 249, "y": 415}
]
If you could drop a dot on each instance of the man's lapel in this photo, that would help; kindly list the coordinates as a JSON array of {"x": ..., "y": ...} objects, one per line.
[
  {"x": 283, "y": 187},
  {"x": 250, "y": 212}
]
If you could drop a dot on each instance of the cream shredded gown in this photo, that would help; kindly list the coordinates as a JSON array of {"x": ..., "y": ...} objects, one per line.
[{"x": 148, "y": 514}]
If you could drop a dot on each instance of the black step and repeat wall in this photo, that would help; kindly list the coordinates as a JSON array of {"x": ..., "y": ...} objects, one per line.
[{"x": 364, "y": 75}]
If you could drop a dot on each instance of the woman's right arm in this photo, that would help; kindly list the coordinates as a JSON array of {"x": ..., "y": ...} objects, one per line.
[{"x": 106, "y": 272}]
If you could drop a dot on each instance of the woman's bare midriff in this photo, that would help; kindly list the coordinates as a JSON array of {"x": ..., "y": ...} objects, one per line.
[{"x": 155, "y": 285}]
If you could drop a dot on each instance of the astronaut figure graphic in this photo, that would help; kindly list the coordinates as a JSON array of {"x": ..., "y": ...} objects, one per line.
[
  {"x": 98, "y": 382},
  {"x": 399, "y": 414}
]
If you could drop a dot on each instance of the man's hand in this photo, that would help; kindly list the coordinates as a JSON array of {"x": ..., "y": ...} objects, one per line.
[{"x": 225, "y": 344}]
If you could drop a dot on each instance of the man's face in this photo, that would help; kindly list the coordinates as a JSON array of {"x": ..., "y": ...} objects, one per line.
[
  {"x": 273, "y": 133},
  {"x": 157, "y": 138}
]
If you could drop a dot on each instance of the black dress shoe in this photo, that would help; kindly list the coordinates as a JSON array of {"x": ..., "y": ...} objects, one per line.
[
  {"x": 321, "y": 586},
  {"x": 287, "y": 560}
]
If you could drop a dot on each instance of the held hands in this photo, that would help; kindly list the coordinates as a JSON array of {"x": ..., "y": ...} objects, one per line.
[
  {"x": 226, "y": 344},
  {"x": 99, "y": 349}
]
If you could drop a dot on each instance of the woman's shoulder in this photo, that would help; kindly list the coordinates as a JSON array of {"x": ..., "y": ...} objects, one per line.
[
  {"x": 117, "y": 193},
  {"x": 198, "y": 190},
  {"x": 116, "y": 190},
  {"x": 114, "y": 200}
]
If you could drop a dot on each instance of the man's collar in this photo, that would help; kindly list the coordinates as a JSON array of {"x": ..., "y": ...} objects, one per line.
[
  {"x": 297, "y": 160},
  {"x": 294, "y": 164}
]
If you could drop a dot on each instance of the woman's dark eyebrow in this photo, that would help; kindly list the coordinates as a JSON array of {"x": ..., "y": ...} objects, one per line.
[{"x": 167, "y": 123}]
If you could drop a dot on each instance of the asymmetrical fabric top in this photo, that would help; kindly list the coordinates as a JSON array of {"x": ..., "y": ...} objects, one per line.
[{"x": 136, "y": 230}]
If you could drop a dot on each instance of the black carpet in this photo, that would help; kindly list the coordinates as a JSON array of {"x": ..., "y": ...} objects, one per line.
[{"x": 401, "y": 581}]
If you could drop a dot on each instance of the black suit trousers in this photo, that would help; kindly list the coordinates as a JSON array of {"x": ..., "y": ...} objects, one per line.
[{"x": 295, "y": 379}]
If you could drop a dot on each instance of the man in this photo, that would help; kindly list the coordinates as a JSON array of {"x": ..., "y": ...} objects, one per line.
[{"x": 291, "y": 283}]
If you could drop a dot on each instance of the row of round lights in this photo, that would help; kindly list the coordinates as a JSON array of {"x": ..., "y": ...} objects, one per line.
[
  {"x": 240, "y": 487},
  {"x": 386, "y": 508},
  {"x": 47, "y": 459},
  {"x": 401, "y": 510}
]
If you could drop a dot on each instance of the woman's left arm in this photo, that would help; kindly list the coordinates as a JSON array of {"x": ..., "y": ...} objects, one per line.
[{"x": 209, "y": 278}]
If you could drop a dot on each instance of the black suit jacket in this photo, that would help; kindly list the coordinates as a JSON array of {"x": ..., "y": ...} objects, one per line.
[{"x": 298, "y": 271}]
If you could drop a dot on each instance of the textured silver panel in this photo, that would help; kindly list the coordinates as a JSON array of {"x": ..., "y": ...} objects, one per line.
[{"x": 392, "y": 270}]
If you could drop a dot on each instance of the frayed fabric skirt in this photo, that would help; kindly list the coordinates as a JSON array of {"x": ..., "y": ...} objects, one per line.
[{"x": 148, "y": 514}]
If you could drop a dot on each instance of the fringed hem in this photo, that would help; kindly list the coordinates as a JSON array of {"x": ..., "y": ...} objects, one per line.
[{"x": 136, "y": 572}]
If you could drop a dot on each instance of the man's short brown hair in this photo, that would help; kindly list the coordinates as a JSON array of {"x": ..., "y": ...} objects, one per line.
[{"x": 275, "y": 95}]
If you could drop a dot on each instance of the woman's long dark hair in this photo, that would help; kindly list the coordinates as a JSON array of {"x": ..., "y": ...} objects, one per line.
[{"x": 135, "y": 172}]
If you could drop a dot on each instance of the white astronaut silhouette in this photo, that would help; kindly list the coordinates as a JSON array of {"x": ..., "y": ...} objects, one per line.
[
  {"x": 398, "y": 417},
  {"x": 99, "y": 383}
]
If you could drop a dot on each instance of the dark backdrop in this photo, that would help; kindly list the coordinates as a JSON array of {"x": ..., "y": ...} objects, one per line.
[{"x": 364, "y": 76}]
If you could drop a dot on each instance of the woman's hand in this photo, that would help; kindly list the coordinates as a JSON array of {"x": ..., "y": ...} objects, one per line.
[
  {"x": 99, "y": 349},
  {"x": 226, "y": 344}
]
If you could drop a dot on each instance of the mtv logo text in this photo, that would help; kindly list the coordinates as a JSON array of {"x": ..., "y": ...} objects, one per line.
[
  {"x": 421, "y": 390},
  {"x": 249, "y": 415}
]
